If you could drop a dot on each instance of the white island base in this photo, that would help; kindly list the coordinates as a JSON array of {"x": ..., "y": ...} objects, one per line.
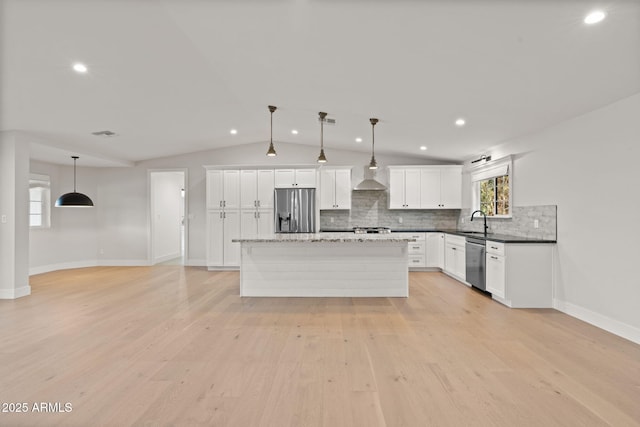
[{"x": 338, "y": 268}]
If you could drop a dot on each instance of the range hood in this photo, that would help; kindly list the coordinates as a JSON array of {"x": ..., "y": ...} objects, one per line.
[{"x": 369, "y": 183}]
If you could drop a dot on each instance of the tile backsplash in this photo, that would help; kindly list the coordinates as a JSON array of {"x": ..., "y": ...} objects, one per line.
[
  {"x": 370, "y": 209},
  {"x": 520, "y": 224}
]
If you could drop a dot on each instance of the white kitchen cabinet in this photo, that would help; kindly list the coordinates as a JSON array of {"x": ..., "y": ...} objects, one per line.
[
  {"x": 441, "y": 187},
  {"x": 495, "y": 275},
  {"x": 256, "y": 223},
  {"x": 335, "y": 188},
  {"x": 520, "y": 275},
  {"x": 222, "y": 227},
  {"x": 295, "y": 178},
  {"x": 416, "y": 250},
  {"x": 223, "y": 189},
  {"x": 256, "y": 188},
  {"x": 404, "y": 188},
  {"x": 454, "y": 256},
  {"x": 434, "y": 246}
]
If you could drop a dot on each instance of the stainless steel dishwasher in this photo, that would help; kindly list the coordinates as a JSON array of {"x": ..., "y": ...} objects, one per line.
[{"x": 475, "y": 262}]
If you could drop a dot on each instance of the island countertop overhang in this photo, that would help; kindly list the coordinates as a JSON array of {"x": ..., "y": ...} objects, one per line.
[{"x": 324, "y": 238}]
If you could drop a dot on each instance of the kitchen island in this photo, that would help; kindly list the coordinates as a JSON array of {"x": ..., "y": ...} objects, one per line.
[{"x": 324, "y": 265}]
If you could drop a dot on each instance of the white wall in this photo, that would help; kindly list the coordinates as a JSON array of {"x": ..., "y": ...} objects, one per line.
[
  {"x": 14, "y": 216},
  {"x": 588, "y": 167},
  {"x": 71, "y": 241}
]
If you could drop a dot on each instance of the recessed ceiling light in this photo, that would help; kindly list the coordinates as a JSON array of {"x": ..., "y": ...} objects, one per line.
[
  {"x": 594, "y": 17},
  {"x": 358, "y": 140},
  {"x": 233, "y": 131},
  {"x": 460, "y": 122},
  {"x": 293, "y": 131},
  {"x": 80, "y": 68},
  {"x": 423, "y": 148}
]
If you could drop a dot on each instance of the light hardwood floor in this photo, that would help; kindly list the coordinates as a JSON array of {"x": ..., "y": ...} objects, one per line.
[{"x": 170, "y": 345}]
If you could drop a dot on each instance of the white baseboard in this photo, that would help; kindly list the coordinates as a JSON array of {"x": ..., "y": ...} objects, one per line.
[
  {"x": 196, "y": 262},
  {"x": 596, "y": 319},
  {"x": 61, "y": 266},
  {"x": 166, "y": 258},
  {"x": 22, "y": 291},
  {"x": 123, "y": 263},
  {"x": 88, "y": 263}
]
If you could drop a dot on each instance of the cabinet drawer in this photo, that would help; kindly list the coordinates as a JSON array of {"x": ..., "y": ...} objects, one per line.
[
  {"x": 419, "y": 237},
  {"x": 495, "y": 248},
  {"x": 416, "y": 248},
  {"x": 416, "y": 261},
  {"x": 452, "y": 239}
]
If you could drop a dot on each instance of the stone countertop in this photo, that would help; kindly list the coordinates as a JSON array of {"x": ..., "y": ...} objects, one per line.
[
  {"x": 325, "y": 237},
  {"x": 502, "y": 238}
]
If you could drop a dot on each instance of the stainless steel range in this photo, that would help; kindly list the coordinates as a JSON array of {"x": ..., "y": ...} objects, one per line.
[{"x": 371, "y": 230}]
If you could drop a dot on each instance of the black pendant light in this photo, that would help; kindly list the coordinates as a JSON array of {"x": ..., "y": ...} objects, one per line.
[
  {"x": 74, "y": 199},
  {"x": 322, "y": 158},
  {"x": 372, "y": 163},
  {"x": 272, "y": 151}
]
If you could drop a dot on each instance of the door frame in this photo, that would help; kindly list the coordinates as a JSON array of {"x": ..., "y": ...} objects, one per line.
[{"x": 150, "y": 213}]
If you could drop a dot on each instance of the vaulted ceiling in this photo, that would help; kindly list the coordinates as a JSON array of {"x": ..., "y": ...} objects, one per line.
[{"x": 171, "y": 77}]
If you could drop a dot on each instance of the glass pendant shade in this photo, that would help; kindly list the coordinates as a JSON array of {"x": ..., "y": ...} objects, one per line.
[
  {"x": 271, "y": 152},
  {"x": 74, "y": 199}
]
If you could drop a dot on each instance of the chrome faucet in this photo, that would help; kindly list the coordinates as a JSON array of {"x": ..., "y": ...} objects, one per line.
[{"x": 486, "y": 227}]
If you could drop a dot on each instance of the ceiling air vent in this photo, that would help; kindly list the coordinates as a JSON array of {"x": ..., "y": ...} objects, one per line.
[{"x": 104, "y": 133}]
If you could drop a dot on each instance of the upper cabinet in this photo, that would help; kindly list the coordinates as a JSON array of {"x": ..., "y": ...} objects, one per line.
[
  {"x": 223, "y": 189},
  {"x": 256, "y": 188},
  {"x": 335, "y": 188},
  {"x": 404, "y": 188},
  {"x": 295, "y": 178},
  {"x": 441, "y": 187},
  {"x": 425, "y": 187}
]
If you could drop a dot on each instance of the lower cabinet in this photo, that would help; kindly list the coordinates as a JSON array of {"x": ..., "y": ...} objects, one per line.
[
  {"x": 417, "y": 249},
  {"x": 495, "y": 269},
  {"x": 520, "y": 275},
  {"x": 434, "y": 246},
  {"x": 454, "y": 256},
  {"x": 222, "y": 227}
]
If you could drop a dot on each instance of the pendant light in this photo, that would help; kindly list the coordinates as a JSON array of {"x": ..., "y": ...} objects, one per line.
[
  {"x": 322, "y": 158},
  {"x": 372, "y": 163},
  {"x": 272, "y": 151},
  {"x": 74, "y": 199}
]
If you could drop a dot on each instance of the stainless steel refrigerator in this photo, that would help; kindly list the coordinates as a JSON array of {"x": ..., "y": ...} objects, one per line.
[{"x": 295, "y": 210}]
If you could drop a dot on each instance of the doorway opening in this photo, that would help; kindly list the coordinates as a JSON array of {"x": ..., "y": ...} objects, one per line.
[{"x": 168, "y": 234}]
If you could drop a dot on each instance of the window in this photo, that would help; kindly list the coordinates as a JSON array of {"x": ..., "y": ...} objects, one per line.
[
  {"x": 494, "y": 196},
  {"x": 492, "y": 188},
  {"x": 39, "y": 201}
]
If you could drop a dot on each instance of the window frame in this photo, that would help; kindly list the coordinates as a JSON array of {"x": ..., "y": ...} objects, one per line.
[
  {"x": 44, "y": 183},
  {"x": 492, "y": 170}
]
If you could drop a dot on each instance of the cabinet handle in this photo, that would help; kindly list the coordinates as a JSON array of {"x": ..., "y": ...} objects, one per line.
[
  {"x": 224, "y": 214},
  {"x": 220, "y": 203},
  {"x": 258, "y": 203},
  {"x": 220, "y": 214},
  {"x": 416, "y": 247},
  {"x": 494, "y": 257},
  {"x": 255, "y": 204},
  {"x": 224, "y": 203},
  {"x": 454, "y": 249},
  {"x": 254, "y": 215},
  {"x": 493, "y": 247}
]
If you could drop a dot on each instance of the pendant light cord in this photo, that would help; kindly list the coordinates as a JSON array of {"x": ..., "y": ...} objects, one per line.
[
  {"x": 75, "y": 158},
  {"x": 271, "y": 135}
]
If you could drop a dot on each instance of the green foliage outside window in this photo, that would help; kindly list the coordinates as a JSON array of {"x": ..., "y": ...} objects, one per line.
[{"x": 494, "y": 196}]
